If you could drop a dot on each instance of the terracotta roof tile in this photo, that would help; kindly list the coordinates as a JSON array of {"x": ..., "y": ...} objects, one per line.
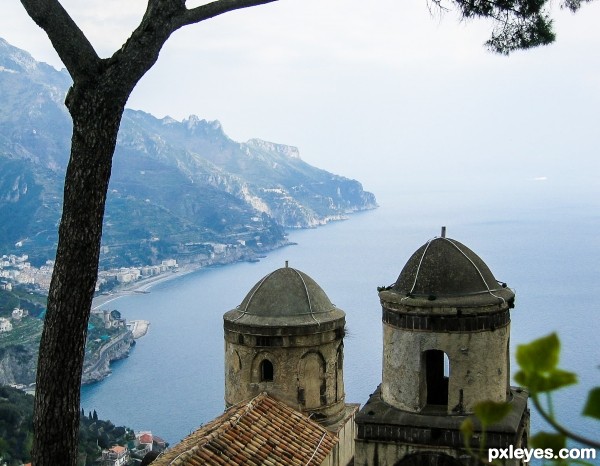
[
  {"x": 261, "y": 432},
  {"x": 145, "y": 438}
]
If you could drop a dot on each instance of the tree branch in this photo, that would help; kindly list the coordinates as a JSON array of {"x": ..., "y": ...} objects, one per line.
[
  {"x": 560, "y": 429},
  {"x": 218, "y": 7},
  {"x": 161, "y": 19},
  {"x": 71, "y": 44}
]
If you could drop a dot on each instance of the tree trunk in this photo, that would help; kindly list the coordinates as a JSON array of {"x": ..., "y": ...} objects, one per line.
[{"x": 96, "y": 113}]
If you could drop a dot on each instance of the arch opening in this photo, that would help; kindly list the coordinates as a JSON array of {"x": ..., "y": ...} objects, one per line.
[
  {"x": 266, "y": 371},
  {"x": 437, "y": 375},
  {"x": 312, "y": 380}
]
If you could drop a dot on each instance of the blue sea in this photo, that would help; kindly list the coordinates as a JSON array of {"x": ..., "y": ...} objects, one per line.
[{"x": 542, "y": 238}]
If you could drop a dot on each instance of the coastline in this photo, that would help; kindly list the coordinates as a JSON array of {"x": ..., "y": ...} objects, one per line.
[
  {"x": 139, "y": 328},
  {"x": 143, "y": 285}
]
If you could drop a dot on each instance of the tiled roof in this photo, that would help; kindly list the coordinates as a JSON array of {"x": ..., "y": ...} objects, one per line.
[
  {"x": 145, "y": 438},
  {"x": 262, "y": 431}
]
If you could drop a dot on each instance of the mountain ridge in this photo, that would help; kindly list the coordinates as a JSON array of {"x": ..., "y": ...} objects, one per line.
[{"x": 173, "y": 182}]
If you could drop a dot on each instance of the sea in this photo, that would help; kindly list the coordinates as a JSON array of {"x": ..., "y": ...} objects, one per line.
[{"x": 541, "y": 238}]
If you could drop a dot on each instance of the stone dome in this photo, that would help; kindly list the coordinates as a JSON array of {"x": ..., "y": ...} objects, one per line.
[
  {"x": 285, "y": 297},
  {"x": 445, "y": 268}
]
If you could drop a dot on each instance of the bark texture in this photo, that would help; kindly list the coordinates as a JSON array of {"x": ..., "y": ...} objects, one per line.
[
  {"x": 96, "y": 102},
  {"x": 56, "y": 418}
]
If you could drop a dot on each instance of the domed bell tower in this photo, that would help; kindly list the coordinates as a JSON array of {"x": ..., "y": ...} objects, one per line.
[
  {"x": 446, "y": 330},
  {"x": 286, "y": 339}
]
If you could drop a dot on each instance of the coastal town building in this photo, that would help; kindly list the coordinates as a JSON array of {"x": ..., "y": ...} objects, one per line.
[
  {"x": 144, "y": 441},
  {"x": 17, "y": 270},
  {"x": 18, "y": 313},
  {"x": 5, "y": 325},
  {"x": 115, "y": 456},
  {"x": 6, "y": 285},
  {"x": 113, "y": 319}
]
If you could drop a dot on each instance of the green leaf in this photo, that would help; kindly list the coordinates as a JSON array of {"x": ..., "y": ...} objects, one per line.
[
  {"x": 554, "y": 380},
  {"x": 592, "y": 406},
  {"x": 540, "y": 355},
  {"x": 547, "y": 440},
  {"x": 522, "y": 379},
  {"x": 466, "y": 428},
  {"x": 545, "y": 382},
  {"x": 490, "y": 412}
]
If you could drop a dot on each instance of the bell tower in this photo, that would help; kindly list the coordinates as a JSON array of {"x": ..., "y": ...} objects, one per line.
[
  {"x": 446, "y": 330},
  {"x": 286, "y": 338}
]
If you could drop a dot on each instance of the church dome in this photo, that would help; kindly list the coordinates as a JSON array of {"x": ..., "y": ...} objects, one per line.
[
  {"x": 285, "y": 297},
  {"x": 445, "y": 268}
]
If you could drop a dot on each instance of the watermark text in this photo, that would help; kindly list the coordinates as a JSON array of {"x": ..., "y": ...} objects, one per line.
[{"x": 527, "y": 454}]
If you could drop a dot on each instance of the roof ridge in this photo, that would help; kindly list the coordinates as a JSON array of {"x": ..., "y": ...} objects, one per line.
[
  {"x": 235, "y": 433},
  {"x": 221, "y": 427}
]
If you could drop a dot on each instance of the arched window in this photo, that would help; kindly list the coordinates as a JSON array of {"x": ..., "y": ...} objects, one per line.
[
  {"x": 266, "y": 371},
  {"x": 437, "y": 374},
  {"x": 312, "y": 380}
]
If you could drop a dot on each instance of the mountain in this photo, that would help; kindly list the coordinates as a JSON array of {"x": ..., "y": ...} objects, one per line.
[{"x": 176, "y": 186}]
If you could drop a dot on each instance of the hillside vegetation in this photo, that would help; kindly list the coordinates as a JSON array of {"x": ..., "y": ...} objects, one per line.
[
  {"x": 175, "y": 185},
  {"x": 16, "y": 412}
]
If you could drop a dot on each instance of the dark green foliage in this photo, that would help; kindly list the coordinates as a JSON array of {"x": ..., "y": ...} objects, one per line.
[
  {"x": 34, "y": 304},
  {"x": 16, "y": 411},
  {"x": 119, "y": 431},
  {"x": 8, "y": 301},
  {"x": 592, "y": 406},
  {"x": 518, "y": 24},
  {"x": 104, "y": 440},
  {"x": 573, "y": 5},
  {"x": 522, "y": 35}
]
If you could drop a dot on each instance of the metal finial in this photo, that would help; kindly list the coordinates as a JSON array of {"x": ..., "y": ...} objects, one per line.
[{"x": 443, "y": 232}]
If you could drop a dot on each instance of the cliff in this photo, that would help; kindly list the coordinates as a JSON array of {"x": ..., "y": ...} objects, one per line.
[
  {"x": 97, "y": 365},
  {"x": 175, "y": 184},
  {"x": 18, "y": 365}
]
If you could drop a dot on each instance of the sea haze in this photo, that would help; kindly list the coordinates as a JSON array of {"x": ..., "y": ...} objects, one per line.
[{"x": 540, "y": 238}]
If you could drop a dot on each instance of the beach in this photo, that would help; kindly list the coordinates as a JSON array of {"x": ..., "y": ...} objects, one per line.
[{"x": 141, "y": 286}]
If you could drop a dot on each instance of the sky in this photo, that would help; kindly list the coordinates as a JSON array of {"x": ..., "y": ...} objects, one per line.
[{"x": 379, "y": 91}]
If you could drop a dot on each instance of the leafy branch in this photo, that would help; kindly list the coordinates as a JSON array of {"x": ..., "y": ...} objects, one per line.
[
  {"x": 539, "y": 374},
  {"x": 487, "y": 413}
]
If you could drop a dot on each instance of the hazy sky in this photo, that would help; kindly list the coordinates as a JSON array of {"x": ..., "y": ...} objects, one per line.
[{"x": 379, "y": 91}]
